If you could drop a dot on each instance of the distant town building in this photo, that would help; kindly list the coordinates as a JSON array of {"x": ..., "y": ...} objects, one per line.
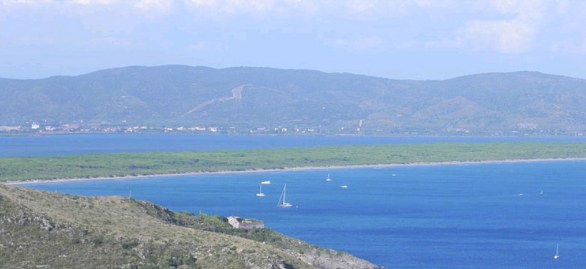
[
  {"x": 70, "y": 127},
  {"x": 197, "y": 129}
]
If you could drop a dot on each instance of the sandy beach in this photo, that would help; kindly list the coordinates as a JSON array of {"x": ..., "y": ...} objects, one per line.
[{"x": 305, "y": 168}]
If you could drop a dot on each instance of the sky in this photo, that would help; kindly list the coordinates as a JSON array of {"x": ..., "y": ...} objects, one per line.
[{"x": 397, "y": 39}]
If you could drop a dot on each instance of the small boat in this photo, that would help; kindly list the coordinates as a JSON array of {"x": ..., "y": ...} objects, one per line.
[
  {"x": 260, "y": 193},
  {"x": 266, "y": 182},
  {"x": 557, "y": 252},
  {"x": 328, "y": 179},
  {"x": 344, "y": 186},
  {"x": 283, "y": 199}
]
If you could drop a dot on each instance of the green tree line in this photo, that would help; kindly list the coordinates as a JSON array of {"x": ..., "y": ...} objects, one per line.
[{"x": 153, "y": 163}]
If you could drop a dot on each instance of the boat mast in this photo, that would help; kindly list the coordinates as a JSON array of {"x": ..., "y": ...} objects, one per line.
[{"x": 284, "y": 193}]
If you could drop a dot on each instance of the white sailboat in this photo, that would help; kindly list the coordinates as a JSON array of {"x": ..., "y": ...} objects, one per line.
[
  {"x": 266, "y": 182},
  {"x": 557, "y": 252},
  {"x": 260, "y": 193},
  {"x": 344, "y": 186},
  {"x": 328, "y": 179},
  {"x": 283, "y": 199}
]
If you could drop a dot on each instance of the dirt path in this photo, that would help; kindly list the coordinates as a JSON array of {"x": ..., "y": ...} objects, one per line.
[{"x": 236, "y": 95}]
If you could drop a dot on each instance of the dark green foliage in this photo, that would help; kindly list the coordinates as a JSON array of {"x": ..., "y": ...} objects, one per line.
[
  {"x": 112, "y": 165},
  {"x": 220, "y": 225}
]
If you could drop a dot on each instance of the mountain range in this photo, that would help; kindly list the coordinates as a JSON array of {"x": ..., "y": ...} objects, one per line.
[{"x": 249, "y": 98}]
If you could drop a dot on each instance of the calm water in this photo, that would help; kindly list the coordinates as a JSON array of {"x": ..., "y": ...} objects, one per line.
[
  {"x": 461, "y": 216},
  {"x": 55, "y": 145}
]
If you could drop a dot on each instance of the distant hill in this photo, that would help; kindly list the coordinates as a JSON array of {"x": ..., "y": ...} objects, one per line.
[
  {"x": 49, "y": 230},
  {"x": 247, "y": 98}
]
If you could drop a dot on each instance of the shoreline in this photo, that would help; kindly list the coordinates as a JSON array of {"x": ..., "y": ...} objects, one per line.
[{"x": 288, "y": 169}]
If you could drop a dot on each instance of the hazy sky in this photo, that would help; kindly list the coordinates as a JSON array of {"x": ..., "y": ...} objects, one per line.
[{"x": 418, "y": 39}]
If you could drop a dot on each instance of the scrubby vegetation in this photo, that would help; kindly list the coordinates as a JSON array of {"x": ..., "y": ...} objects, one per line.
[
  {"x": 49, "y": 230},
  {"x": 133, "y": 164}
]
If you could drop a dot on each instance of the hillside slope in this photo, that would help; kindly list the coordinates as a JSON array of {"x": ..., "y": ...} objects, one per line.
[
  {"x": 49, "y": 230},
  {"x": 247, "y": 98}
]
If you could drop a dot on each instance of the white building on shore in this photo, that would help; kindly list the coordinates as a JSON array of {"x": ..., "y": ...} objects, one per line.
[{"x": 240, "y": 223}]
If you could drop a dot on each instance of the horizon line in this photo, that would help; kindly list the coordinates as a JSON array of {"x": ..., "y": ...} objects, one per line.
[{"x": 289, "y": 69}]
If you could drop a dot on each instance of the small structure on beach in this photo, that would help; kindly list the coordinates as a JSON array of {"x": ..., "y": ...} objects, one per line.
[{"x": 240, "y": 223}]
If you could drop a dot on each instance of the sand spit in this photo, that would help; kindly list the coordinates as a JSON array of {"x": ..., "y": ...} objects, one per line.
[{"x": 304, "y": 168}]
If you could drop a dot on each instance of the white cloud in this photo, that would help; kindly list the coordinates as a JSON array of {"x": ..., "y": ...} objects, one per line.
[
  {"x": 254, "y": 7},
  {"x": 358, "y": 6},
  {"x": 504, "y": 36},
  {"x": 92, "y": 2},
  {"x": 261, "y": 6},
  {"x": 16, "y": 3},
  {"x": 522, "y": 9},
  {"x": 352, "y": 8},
  {"x": 569, "y": 29},
  {"x": 515, "y": 32},
  {"x": 202, "y": 3},
  {"x": 155, "y": 5},
  {"x": 505, "y": 26},
  {"x": 375, "y": 9}
]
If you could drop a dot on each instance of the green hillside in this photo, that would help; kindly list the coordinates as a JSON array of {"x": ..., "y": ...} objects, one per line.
[
  {"x": 49, "y": 230},
  {"x": 245, "y": 99}
]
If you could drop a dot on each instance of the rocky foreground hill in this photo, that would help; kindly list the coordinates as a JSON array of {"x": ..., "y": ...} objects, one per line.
[{"x": 50, "y": 230}]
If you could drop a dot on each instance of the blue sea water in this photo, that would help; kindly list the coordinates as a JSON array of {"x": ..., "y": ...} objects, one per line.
[
  {"x": 507, "y": 215},
  {"x": 58, "y": 145}
]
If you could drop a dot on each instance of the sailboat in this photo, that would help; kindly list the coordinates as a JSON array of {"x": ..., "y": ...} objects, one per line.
[
  {"x": 557, "y": 252},
  {"x": 283, "y": 199},
  {"x": 260, "y": 193},
  {"x": 328, "y": 179}
]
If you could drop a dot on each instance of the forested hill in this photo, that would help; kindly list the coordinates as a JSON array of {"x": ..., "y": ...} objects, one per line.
[{"x": 246, "y": 98}]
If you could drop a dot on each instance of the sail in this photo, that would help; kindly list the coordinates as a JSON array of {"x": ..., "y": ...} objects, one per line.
[{"x": 283, "y": 199}]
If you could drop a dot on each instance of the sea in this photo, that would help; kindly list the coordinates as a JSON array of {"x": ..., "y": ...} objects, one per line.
[{"x": 497, "y": 215}]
